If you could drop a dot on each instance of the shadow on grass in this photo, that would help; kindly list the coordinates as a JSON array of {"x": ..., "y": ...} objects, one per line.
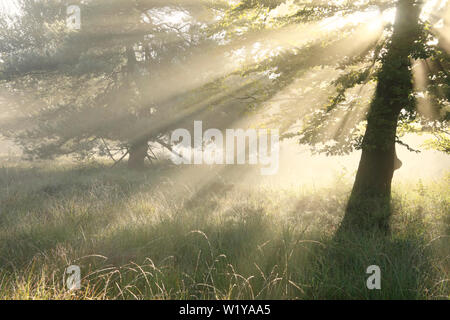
[
  {"x": 44, "y": 206},
  {"x": 210, "y": 243},
  {"x": 407, "y": 269}
]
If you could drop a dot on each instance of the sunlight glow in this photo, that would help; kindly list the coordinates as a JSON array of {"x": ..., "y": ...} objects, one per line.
[
  {"x": 420, "y": 76},
  {"x": 8, "y": 7},
  {"x": 223, "y": 60},
  {"x": 373, "y": 19},
  {"x": 443, "y": 28},
  {"x": 431, "y": 8}
]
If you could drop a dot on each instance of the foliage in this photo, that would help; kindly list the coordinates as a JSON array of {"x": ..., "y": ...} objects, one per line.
[{"x": 139, "y": 79}]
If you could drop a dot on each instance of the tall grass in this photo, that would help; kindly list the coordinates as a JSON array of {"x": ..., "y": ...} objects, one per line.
[{"x": 151, "y": 235}]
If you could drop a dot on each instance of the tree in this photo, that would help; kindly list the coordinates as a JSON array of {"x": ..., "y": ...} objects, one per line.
[
  {"x": 385, "y": 63},
  {"x": 371, "y": 192},
  {"x": 102, "y": 89}
]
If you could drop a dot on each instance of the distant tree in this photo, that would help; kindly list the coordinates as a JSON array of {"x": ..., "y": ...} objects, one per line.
[{"x": 101, "y": 89}]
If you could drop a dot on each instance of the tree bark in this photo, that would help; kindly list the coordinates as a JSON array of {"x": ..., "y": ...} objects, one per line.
[
  {"x": 369, "y": 204},
  {"x": 139, "y": 147},
  {"x": 137, "y": 155}
]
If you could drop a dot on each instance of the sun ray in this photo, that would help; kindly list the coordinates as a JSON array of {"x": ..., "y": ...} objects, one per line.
[{"x": 420, "y": 79}]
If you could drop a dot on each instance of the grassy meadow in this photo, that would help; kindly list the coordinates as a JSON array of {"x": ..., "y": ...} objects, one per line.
[{"x": 148, "y": 235}]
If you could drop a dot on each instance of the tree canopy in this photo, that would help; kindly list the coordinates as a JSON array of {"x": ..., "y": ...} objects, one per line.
[{"x": 139, "y": 69}]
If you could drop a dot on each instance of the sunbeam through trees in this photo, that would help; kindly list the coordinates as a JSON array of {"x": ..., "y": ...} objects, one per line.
[{"x": 247, "y": 149}]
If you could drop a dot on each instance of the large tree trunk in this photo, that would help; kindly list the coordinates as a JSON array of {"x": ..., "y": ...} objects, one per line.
[
  {"x": 369, "y": 204},
  {"x": 137, "y": 155}
]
